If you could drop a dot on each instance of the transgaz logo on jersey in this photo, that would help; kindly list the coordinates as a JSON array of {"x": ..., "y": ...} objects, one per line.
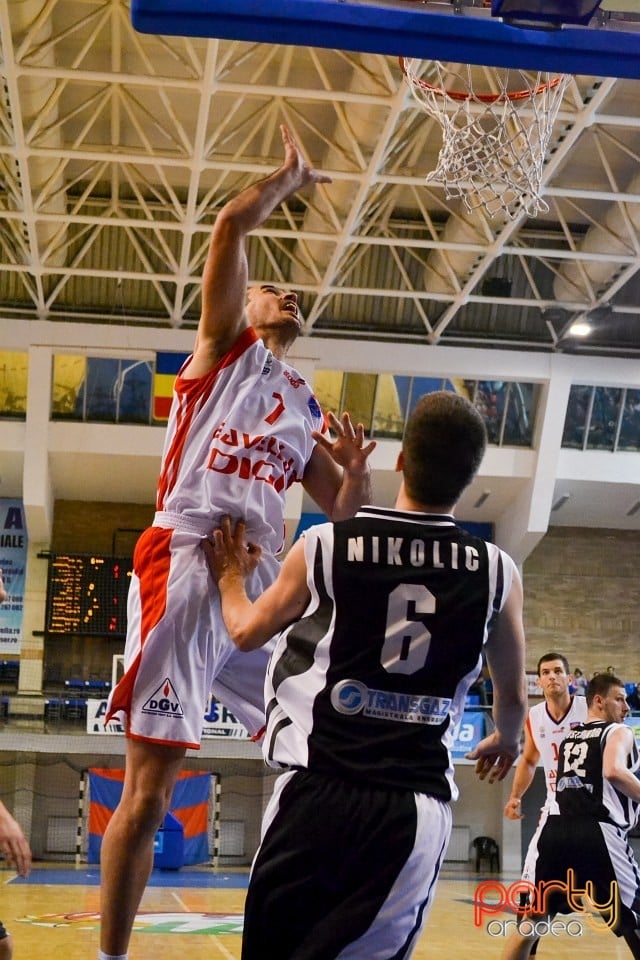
[
  {"x": 351, "y": 697},
  {"x": 164, "y": 702}
]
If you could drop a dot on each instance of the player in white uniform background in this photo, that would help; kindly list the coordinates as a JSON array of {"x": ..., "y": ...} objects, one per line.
[
  {"x": 585, "y": 846},
  {"x": 547, "y": 725},
  {"x": 244, "y": 426}
]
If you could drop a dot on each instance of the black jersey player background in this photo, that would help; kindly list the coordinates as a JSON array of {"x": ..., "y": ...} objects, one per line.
[
  {"x": 384, "y": 621},
  {"x": 598, "y": 797}
]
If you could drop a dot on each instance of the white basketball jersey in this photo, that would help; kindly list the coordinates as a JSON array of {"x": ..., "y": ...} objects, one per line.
[
  {"x": 237, "y": 438},
  {"x": 547, "y": 735}
]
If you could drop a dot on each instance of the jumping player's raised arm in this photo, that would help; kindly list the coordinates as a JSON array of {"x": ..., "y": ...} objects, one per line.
[{"x": 225, "y": 276}]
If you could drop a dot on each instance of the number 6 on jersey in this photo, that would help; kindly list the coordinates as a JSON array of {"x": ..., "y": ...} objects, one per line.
[{"x": 407, "y": 642}]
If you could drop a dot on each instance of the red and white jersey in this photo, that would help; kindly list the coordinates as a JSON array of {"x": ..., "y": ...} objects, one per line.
[
  {"x": 237, "y": 438},
  {"x": 547, "y": 735}
]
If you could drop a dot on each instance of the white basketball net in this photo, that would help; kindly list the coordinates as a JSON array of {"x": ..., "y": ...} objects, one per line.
[{"x": 494, "y": 144}]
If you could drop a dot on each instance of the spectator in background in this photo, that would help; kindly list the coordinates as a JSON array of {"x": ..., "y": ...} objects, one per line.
[
  {"x": 633, "y": 697},
  {"x": 579, "y": 683}
]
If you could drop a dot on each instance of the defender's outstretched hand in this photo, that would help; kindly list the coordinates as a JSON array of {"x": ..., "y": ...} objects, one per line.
[
  {"x": 348, "y": 449},
  {"x": 228, "y": 552}
]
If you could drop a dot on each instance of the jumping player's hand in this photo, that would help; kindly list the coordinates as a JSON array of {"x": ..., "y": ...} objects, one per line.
[
  {"x": 296, "y": 165},
  {"x": 348, "y": 449},
  {"x": 13, "y": 843},
  {"x": 493, "y": 758},
  {"x": 229, "y": 553}
]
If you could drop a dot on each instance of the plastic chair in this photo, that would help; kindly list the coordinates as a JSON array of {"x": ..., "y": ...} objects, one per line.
[{"x": 486, "y": 848}]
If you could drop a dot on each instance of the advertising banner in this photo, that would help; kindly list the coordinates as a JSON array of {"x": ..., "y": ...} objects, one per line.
[{"x": 13, "y": 563}]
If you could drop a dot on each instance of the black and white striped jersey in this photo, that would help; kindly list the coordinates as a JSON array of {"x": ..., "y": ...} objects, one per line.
[
  {"x": 370, "y": 684},
  {"x": 582, "y": 790}
]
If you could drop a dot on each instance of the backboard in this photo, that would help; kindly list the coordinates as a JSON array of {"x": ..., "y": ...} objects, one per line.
[{"x": 464, "y": 32}]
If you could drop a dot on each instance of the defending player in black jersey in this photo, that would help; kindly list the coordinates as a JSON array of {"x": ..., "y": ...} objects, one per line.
[
  {"x": 598, "y": 796},
  {"x": 385, "y": 618}
]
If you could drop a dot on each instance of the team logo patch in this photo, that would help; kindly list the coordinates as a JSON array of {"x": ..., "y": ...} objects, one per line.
[
  {"x": 351, "y": 697},
  {"x": 266, "y": 370},
  {"x": 164, "y": 702},
  {"x": 207, "y": 924},
  {"x": 294, "y": 381},
  {"x": 348, "y": 696},
  {"x": 314, "y": 407}
]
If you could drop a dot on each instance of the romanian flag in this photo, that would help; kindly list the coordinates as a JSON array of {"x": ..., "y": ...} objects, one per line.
[
  {"x": 189, "y": 805},
  {"x": 167, "y": 366}
]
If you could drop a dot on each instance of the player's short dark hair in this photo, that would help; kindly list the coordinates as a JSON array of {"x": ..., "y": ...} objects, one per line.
[
  {"x": 600, "y": 684},
  {"x": 443, "y": 445},
  {"x": 553, "y": 656}
]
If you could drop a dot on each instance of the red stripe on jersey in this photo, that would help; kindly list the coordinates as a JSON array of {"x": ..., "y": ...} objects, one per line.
[
  {"x": 189, "y": 394},
  {"x": 152, "y": 559}
]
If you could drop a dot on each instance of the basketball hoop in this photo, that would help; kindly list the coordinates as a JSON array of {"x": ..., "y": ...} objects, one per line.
[{"x": 493, "y": 149}]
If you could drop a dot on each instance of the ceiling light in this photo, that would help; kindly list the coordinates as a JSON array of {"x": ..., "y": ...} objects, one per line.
[
  {"x": 579, "y": 329},
  {"x": 560, "y": 502},
  {"x": 484, "y": 496}
]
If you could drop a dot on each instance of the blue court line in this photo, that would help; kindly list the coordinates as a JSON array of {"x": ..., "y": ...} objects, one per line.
[{"x": 90, "y": 877}]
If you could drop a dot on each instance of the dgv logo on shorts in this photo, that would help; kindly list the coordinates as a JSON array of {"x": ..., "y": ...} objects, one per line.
[{"x": 164, "y": 702}]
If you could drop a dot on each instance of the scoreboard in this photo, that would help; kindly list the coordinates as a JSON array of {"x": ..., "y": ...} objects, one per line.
[{"x": 87, "y": 595}]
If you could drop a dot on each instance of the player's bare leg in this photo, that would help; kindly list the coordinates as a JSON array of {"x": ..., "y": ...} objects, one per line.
[{"x": 127, "y": 847}]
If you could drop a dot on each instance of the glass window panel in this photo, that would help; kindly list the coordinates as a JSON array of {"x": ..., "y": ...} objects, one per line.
[
  {"x": 518, "y": 425},
  {"x": 575, "y": 422},
  {"x": 489, "y": 400},
  {"x": 604, "y": 418},
  {"x": 69, "y": 372},
  {"x": 134, "y": 391},
  {"x": 327, "y": 386},
  {"x": 630, "y": 427},
  {"x": 422, "y": 385},
  {"x": 101, "y": 388},
  {"x": 359, "y": 397},
  {"x": 392, "y": 398},
  {"x": 14, "y": 370}
]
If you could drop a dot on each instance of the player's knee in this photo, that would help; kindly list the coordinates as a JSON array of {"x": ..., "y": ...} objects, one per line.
[{"x": 143, "y": 808}]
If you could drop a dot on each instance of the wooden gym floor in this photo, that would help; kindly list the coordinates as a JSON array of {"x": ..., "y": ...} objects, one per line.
[{"x": 197, "y": 914}]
